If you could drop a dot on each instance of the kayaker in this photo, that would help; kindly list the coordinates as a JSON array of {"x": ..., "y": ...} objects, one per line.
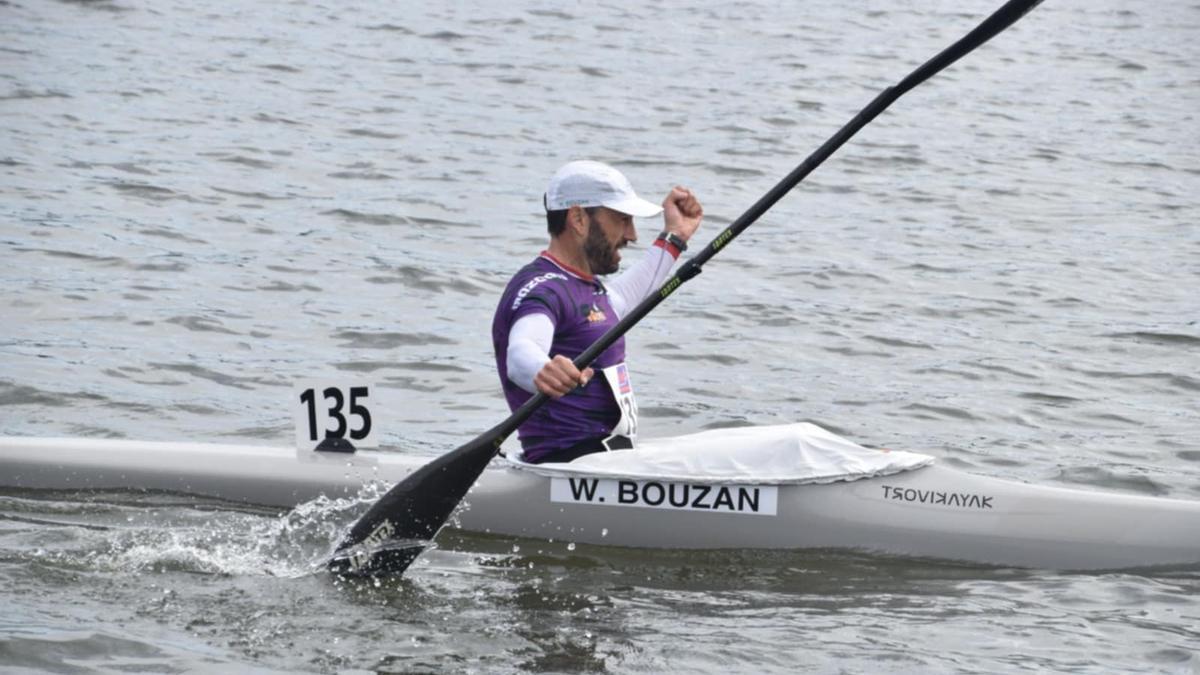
[{"x": 556, "y": 306}]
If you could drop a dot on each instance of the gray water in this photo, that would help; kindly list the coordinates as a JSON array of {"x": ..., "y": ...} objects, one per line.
[{"x": 204, "y": 202}]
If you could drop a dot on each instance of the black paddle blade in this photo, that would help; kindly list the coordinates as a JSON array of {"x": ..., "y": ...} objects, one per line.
[
  {"x": 400, "y": 525},
  {"x": 365, "y": 560}
]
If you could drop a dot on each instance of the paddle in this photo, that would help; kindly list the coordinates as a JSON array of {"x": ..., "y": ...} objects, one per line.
[{"x": 398, "y": 527}]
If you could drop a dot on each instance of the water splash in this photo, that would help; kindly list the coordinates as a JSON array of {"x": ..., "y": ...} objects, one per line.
[{"x": 200, "y": 537}]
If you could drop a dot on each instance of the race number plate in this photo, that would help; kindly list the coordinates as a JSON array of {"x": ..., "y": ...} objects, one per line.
[
  {"x": 622, "y": 390},
  {"x": 333, "y": 410}
]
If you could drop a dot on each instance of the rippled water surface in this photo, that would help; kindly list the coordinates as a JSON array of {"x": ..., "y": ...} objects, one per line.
[{"x": 203, "y": 202}]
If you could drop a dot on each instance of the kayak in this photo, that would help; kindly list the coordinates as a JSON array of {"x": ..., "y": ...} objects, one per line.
[{"x": 867, "y": 500}]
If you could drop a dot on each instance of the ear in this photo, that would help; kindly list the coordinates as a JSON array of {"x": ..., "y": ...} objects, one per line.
[{"x": 577, "y": 221}]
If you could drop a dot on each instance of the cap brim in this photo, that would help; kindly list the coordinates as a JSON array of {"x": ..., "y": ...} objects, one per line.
[{"x": 636, "y": 207}]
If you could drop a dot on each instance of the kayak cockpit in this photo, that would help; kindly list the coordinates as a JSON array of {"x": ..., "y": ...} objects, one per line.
[{"x": 786, "y": 454}]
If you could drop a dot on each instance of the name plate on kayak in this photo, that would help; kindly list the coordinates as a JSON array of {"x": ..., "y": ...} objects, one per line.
[{"x": 753, "y": 500}]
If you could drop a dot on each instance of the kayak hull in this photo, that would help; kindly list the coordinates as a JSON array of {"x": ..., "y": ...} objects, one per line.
[{"x": 933, "y": 512}]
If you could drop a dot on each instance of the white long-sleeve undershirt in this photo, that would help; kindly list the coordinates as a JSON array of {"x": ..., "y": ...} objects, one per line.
[
  {"x": 529, "y": 343},
  {"x": 530, "y": 338}
]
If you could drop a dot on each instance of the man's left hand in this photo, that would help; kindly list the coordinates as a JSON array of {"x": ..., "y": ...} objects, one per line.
[{"x": 682, "y": 212}]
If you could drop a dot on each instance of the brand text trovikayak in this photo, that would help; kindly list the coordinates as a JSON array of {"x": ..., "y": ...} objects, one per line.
[{"x": 938, "y": 498}]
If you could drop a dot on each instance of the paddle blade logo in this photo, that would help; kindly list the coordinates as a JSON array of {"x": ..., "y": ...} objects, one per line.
[{"x": 366, "y": 550}]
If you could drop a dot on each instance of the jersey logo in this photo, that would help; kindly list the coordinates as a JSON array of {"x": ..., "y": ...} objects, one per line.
[
  {"x": 532, "y": 284},
  {"x": 596, "y": 315}
]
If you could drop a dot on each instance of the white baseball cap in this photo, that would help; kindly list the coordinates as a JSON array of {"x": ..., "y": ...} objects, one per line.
[{"x": 586, "y": 183}]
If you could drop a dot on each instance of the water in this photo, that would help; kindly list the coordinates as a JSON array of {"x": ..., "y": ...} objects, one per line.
[{"x": 204, "y": 202}]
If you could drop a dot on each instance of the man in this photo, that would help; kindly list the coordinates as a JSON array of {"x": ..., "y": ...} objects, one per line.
[{"x": 555, "y": 307}]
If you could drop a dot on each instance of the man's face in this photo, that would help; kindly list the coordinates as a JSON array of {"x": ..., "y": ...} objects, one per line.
[{"x": 608, "y": 232}]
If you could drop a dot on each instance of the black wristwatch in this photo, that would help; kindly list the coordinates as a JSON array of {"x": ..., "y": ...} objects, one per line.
[{"x": 674, "y": 240}]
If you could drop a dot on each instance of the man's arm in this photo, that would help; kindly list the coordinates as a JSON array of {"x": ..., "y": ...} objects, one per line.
[
  {"x": 682, "y": 214},
  {"x": 628, "y": 289},
  {"x": 529, "y": 364}
]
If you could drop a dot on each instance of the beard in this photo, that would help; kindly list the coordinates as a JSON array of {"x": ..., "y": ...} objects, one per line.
[{"x": 601, "y": 254}]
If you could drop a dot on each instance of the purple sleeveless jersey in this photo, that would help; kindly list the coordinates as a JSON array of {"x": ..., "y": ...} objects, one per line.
[{"x": 581, "y": 313}]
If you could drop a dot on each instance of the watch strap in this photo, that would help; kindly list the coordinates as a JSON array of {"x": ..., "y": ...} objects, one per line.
[{"x": 672, "y": 242}]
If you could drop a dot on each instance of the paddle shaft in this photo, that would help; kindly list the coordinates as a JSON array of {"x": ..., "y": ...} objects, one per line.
[
  {"x": 997, "y": 22},
  {"x": 993, "y": 25},
  {"x": 415, "y": 509}
]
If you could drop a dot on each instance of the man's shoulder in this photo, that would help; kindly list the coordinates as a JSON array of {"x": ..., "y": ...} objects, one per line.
[
  {"x": 535, "y": 267},
  {"x": 539, "y": 278},
  {"x": 537, "y": 272}
]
